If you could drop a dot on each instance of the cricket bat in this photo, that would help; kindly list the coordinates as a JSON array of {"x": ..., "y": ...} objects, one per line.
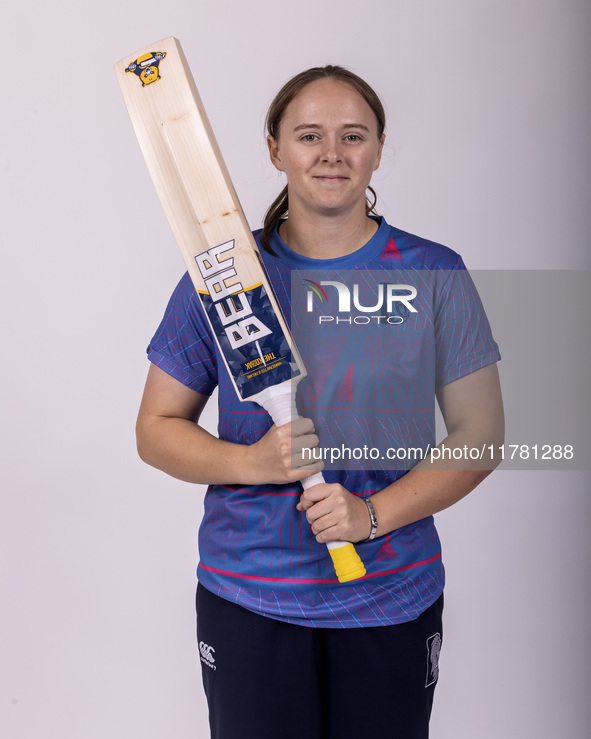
[{"x": 210, "y": 228}]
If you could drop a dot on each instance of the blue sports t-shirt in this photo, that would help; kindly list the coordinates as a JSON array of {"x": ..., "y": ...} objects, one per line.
[{"x": 370, "y": 376}]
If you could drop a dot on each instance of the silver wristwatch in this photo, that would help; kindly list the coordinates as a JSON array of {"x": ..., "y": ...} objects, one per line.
[{"x": 373, "y": 518}]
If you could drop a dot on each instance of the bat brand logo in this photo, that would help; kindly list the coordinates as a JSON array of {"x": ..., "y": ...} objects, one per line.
[
  {"x": 392, "y": 305},
  {"x": 146, "y": 67},
  {"x": 230, "y": 300}
]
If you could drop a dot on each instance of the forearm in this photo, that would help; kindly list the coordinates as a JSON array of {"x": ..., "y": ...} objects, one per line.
[
  {"x": 169, "y": 437},
  {"x": 433, "y": 486},
  {"x": 422, "y": 493},
  {"x": 185, "y": 450}
]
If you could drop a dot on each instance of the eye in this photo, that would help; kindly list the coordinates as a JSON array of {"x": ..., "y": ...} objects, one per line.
[
  {"x": 353, "y": 137},
  {"x": 309, "y": 137}
]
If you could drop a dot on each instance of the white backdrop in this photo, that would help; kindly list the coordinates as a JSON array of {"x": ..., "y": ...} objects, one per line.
[{"x": 488, "y": 152}]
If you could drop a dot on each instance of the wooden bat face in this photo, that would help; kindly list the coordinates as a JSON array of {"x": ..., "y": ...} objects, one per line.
[{"x": 206, "y": 218}]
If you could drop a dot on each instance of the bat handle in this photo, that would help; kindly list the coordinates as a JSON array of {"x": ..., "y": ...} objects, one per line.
[
  {"x": 347, "y": 563},
  {"x": 279, "y": 402}
]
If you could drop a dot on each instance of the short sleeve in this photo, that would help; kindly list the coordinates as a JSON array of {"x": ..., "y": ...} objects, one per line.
[
  {"x": 183, "y": 346},
  {"x": 463, "y": 337}
]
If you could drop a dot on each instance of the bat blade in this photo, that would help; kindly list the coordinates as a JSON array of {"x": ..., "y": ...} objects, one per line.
[
  {"x": 219, "y": 251},
  {"x": 206, "y": 218}
]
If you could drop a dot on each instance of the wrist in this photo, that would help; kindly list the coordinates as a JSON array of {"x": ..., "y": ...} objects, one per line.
[{"x": 250, "y": 465}]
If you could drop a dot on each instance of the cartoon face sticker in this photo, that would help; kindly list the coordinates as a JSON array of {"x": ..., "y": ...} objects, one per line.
[{"x": 146, "y": 67}]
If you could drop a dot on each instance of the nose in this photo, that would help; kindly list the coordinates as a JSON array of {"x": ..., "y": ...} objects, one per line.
[{"x": 331, "y": 152}]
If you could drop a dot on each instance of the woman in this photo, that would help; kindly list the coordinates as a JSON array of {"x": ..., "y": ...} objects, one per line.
[{"x": 286, "y": 650}]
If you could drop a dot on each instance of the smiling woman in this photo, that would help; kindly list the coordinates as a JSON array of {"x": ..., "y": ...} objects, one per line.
[
  {"x": 292, "y": 652},
  {"x": 329, "y": 146},
  {"x": 341, "y": 119}
]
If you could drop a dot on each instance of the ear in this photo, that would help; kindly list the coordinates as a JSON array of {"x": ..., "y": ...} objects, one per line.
[
  {"x": 274, "y": 153},
  {"x": 380, "y": 149}
]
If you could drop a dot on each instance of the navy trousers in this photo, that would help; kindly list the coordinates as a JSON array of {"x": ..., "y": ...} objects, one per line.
[{"x": 267, "y": 679}]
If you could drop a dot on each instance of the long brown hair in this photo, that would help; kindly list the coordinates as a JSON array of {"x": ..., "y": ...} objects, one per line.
[{"x": 278, "y": 209}]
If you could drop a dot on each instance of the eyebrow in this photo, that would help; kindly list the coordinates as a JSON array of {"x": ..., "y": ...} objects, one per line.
[{"x": 302, "y": 126}]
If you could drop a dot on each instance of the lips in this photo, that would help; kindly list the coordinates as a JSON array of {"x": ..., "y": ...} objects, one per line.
[{"x": 329, "y": 177}]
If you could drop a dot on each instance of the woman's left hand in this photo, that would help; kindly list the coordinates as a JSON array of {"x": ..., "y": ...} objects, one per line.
[{"x": 335, "y": 514}]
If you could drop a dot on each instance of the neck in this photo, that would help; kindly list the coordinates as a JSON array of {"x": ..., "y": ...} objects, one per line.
[{"x": 327, "y": 237}]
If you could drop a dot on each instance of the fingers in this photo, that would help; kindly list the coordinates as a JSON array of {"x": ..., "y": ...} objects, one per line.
[
  {"x": 303, "y": 443},
  {"x": 313, "y": 495},
  {"x": 302, "y": 426},
  {"x": 285, "y": 453},
  {"x": 302, "y": 452},
  {"x": 334, "y": 513}
]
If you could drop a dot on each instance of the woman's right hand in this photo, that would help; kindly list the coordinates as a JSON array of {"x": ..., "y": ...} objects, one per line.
[{"x": 285, "y": 453}]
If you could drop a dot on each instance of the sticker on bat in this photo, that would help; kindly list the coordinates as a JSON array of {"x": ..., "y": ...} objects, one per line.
[
  {"x": 147, "y": 67},
  {"x": 240, "y": 325},
  {"x": 250, "y": 337}
]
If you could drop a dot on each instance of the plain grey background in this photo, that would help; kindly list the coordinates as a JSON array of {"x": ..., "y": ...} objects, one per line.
[{"x": 487, "y": 151}]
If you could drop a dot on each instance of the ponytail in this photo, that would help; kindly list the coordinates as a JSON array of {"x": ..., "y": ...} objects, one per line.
[{"x": 273, "y": 217}]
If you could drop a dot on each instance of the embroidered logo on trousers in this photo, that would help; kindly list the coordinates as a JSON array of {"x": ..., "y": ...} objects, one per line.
[
  {"x": 433, "y": 650},
  {"x": 207, "y": 655}
]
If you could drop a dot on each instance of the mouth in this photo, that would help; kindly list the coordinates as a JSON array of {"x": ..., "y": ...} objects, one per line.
[{"x": 330, "y": 177}]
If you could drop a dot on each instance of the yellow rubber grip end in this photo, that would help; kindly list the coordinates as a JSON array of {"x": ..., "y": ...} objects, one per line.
[{"x": 347, "y": 563}]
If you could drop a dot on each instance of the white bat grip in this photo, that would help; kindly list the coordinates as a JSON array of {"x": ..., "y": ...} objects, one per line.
[
  {"x": 315, "y": 479},
  {"x": 279, "y": 402}
]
